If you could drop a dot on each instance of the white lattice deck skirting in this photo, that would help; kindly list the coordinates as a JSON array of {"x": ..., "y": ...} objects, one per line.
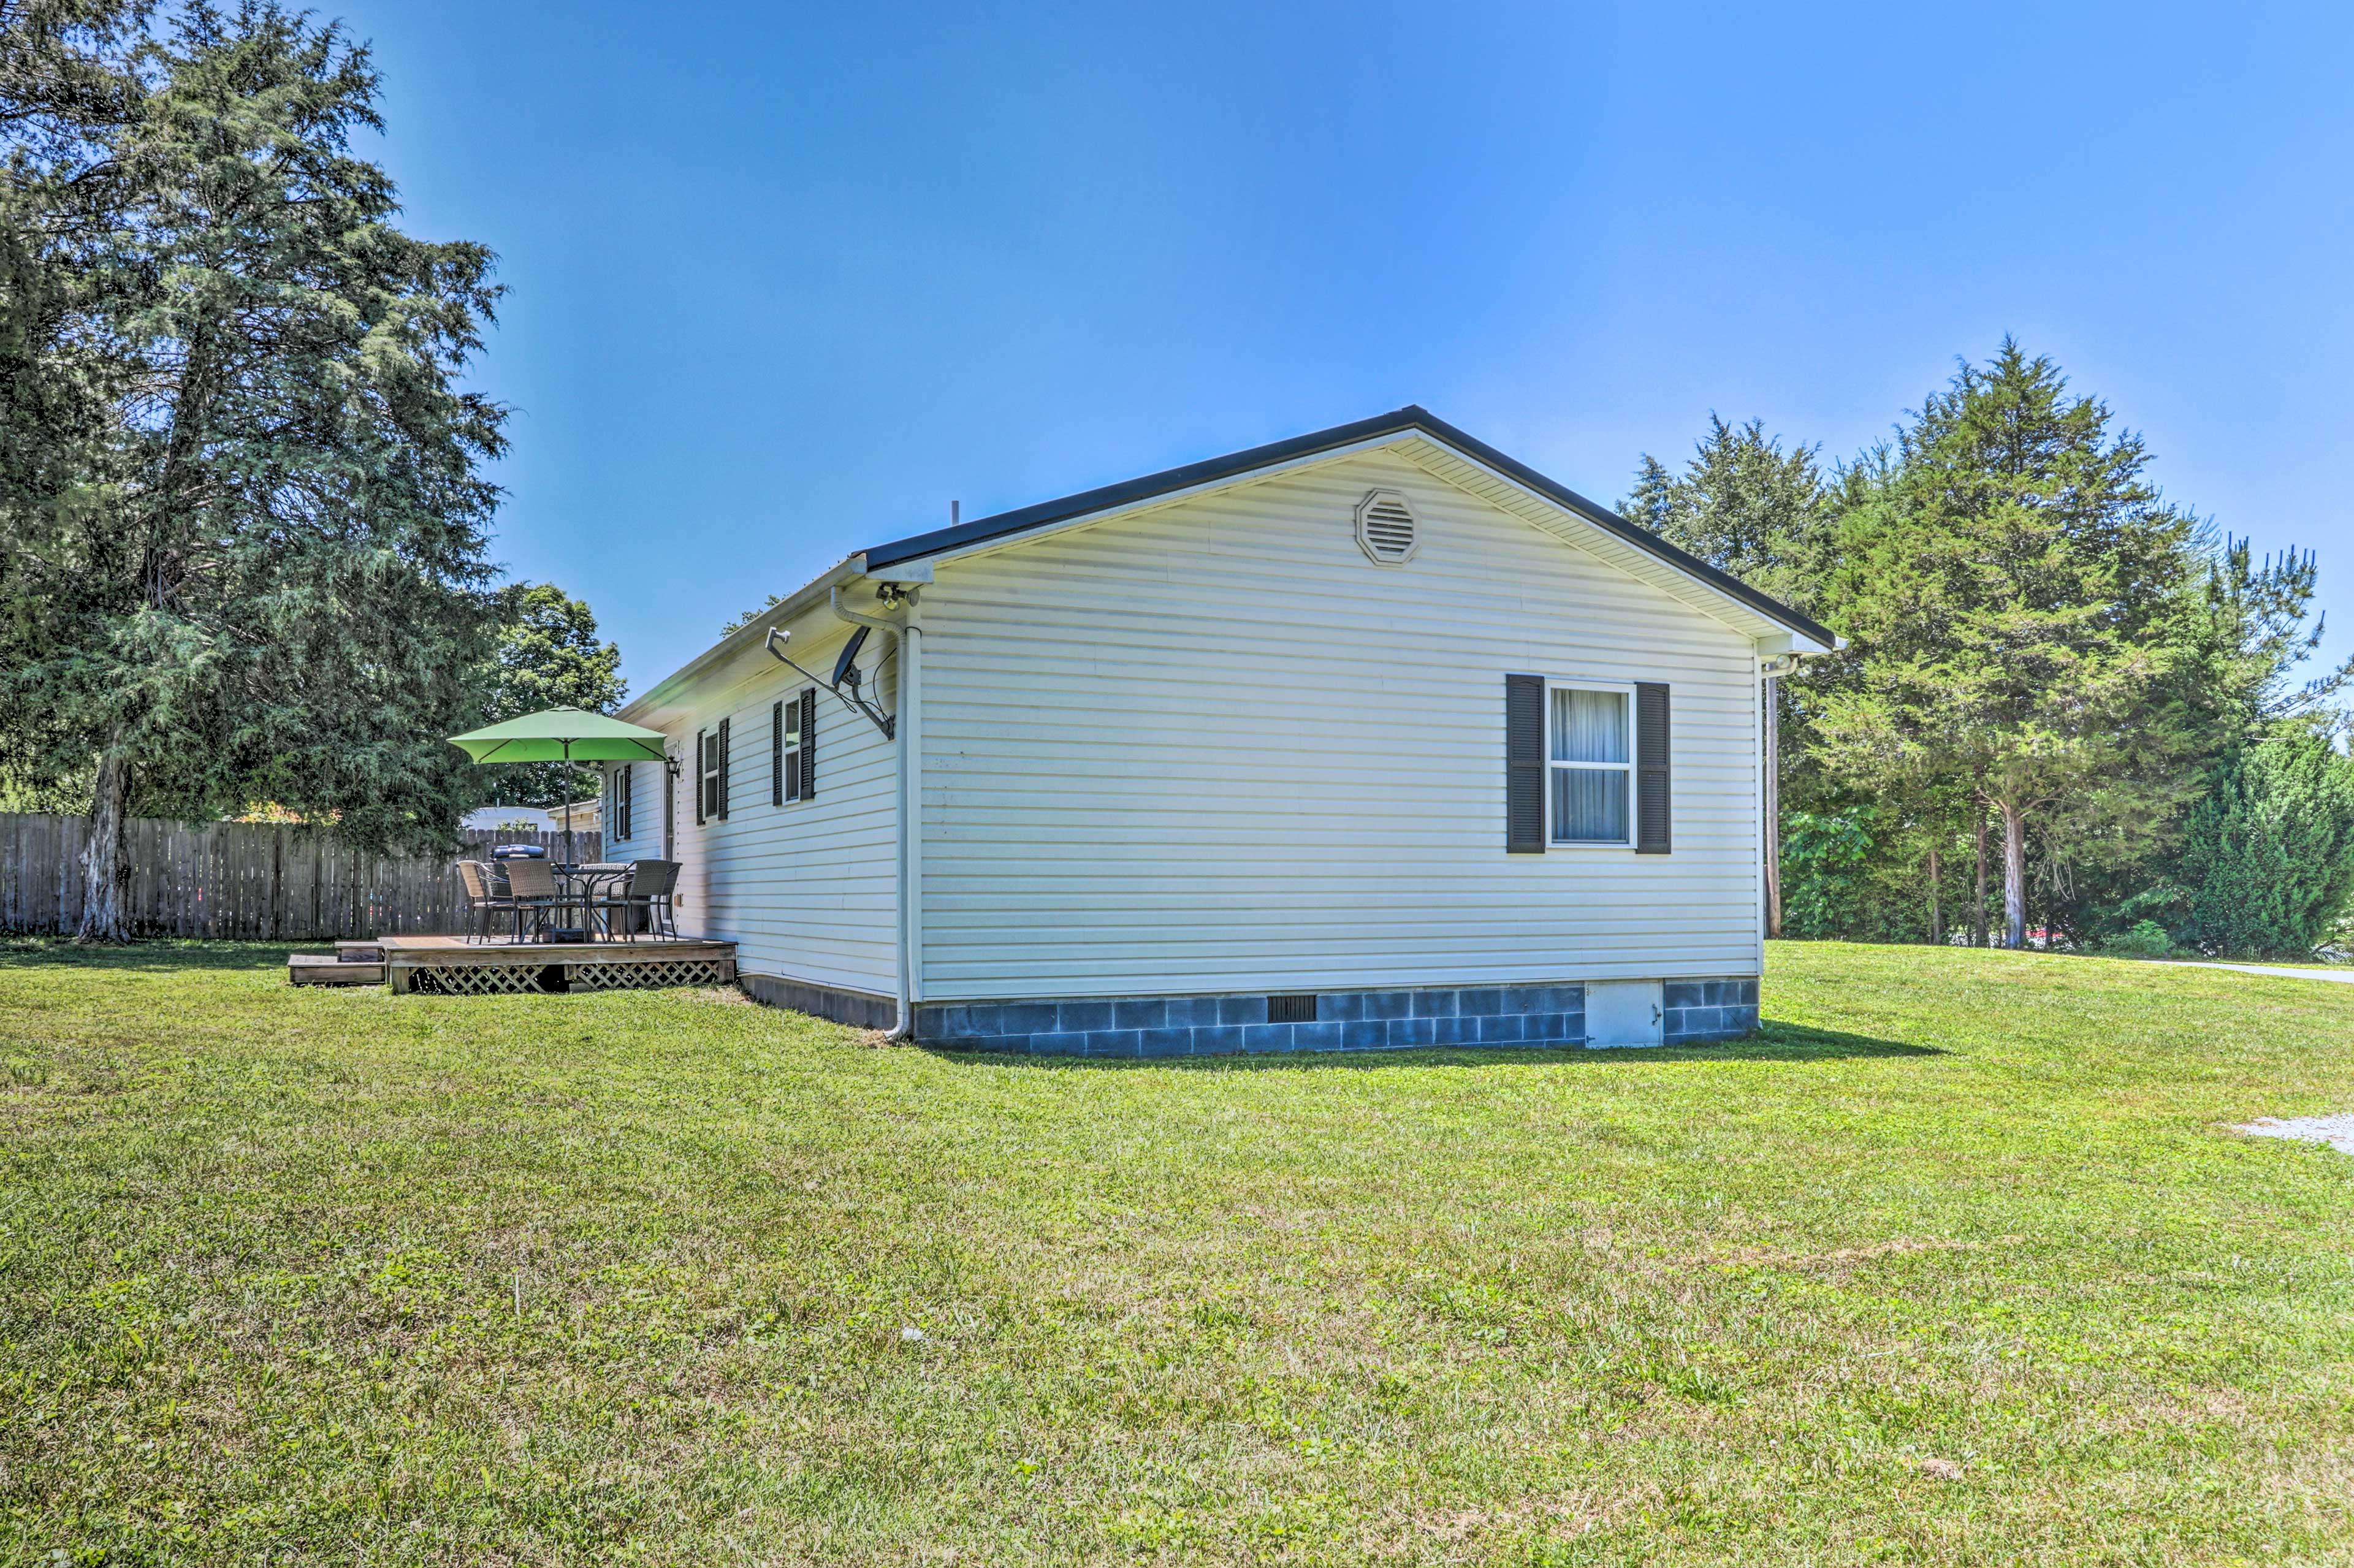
[
  {"x": 618, "y": 977},
  {"x": 477, "y": 979},
  {"x": 449, "y": 966}
]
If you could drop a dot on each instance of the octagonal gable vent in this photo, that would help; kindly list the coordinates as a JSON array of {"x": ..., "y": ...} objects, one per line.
[{"x": 1387, "y": 529}]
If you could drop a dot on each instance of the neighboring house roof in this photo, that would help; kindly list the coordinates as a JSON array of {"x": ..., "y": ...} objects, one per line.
[
  {"x": 1216, "y": 471},
  {"x": 500, "y": 816},
  {"x": 1409, "y": 421}
]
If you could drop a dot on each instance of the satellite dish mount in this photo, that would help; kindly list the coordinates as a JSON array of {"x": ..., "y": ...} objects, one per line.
[{"x": 848, "y": 682}]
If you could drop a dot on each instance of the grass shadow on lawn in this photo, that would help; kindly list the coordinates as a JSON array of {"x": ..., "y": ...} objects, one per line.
[
  {"x": 1775, "y": 1042},
  {"x": 161, "y": 953}
]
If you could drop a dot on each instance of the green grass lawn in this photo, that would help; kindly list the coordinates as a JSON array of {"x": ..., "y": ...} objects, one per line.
[{"x": 1958, "y": 1263}]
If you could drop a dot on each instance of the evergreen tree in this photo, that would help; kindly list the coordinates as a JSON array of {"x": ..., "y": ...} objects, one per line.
[
  {"x": 68, "y": 87},
  {"x": 735, "y": 624},
  {"x": 550, "y": 657},
  {"x": 2268, "y": 861},
  {"x": 1749, "y": 509},
  {"x": 2014, "y": 592},
  {"x": 271, "y": 583},
  {"x": 1744, "y": 507},
  {"x": 2243, "y": 649}
]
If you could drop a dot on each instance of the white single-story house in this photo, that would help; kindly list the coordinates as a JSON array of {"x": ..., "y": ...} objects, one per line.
[{"x": 1371, "y": 739}]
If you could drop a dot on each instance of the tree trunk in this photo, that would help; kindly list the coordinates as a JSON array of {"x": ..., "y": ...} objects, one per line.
[
  {"x": 106, "y": 861},
  {"x": 2014, "y": 877},
  {"x": 1773, "y": 782},
  {"x": 1936, "y": 911},
  {"x": 1978, "y": 909}
]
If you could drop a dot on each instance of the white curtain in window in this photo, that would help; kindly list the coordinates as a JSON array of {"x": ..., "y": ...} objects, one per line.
[
  {"x": 1589, "y": 805},
  {"x": 1589, "y": 726}
]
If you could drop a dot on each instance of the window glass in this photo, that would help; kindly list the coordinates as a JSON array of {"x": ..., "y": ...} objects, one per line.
[
  {"x": 1589, "y": 805},
  {"x": 789, "y": 754},
  {"x": 1589, "y": 726},
  {"x": 1590, "y": 767}
]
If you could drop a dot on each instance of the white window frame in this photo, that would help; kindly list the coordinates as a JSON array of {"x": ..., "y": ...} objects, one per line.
[
  {"x": 710, "y": 766},
  {"x": 786, "y": 714},
  {"x": 1624, "y": 689},
  {"x": 620, "y": 784}
]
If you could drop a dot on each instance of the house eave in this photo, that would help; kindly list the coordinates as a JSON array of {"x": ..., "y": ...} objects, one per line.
[
  {"x": 903, "y": 557},
  {"x": 808, "y": 597},
  {"x": 1092, "y": 505}
]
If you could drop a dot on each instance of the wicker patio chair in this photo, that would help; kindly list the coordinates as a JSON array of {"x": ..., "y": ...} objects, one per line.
[
  {"x": 532, "y": 885},
  {"x": 651, "y": 884},
  {"x": 482, "y": 904}
]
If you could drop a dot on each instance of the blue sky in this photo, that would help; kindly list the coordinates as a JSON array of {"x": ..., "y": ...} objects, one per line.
[{"x": 785, "y": 281}]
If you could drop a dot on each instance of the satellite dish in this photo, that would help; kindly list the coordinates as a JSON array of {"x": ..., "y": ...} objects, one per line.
[{"x": 842, "y": 666}]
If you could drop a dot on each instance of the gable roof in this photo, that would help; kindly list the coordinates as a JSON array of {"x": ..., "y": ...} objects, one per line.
[
  {"x": 1235, "y": 465},
  {"x": 1409, "y": 422}
]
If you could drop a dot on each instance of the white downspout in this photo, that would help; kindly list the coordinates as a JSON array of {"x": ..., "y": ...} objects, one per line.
[
  {"x": 911, "y": 817},
  {"x": 907, "y": 629}
]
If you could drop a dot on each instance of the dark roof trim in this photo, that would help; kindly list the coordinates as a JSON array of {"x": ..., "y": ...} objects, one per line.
[{"x": 1134, "y": 492}]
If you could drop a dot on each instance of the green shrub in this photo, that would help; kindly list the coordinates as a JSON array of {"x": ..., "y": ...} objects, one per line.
[
  {"x": 2148, "y": 939},
  {"x": 1824, "y": 857}
]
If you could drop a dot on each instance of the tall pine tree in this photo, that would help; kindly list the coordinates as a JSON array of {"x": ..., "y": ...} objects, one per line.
[
  {"x": 271, "y": 582},
  {"x": 2014, "y": 591}
]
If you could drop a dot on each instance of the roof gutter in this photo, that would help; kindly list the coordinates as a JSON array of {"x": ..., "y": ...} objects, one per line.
[{"x": 748, "y": 637}]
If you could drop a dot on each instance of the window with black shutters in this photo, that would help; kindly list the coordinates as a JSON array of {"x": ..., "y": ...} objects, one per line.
[
  {"x": 790, "y": 723},
  {"x": 1525, "y": 764},
  {"x": 1654, "y": 802},
  {"x": 809, "y": 744},
  {"x": 711, "y": 797},
  {"x": 618, "y": 796},
  {"x": 1586, "y": 764}
]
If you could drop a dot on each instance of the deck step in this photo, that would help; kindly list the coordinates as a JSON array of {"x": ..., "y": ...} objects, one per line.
[
  {"x": 331, "y": 968},
  {"x": 365, "y": 951}
]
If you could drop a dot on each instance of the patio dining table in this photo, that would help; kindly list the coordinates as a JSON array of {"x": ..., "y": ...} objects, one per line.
[{"x": 579, "y": 888}]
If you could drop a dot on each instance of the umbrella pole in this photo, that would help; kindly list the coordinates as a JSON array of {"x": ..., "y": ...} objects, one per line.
[{"x": 567, "y": 805}]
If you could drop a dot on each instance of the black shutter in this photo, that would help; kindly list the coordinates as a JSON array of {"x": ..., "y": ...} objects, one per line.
[
  {"x": 702, "y": 772},
  {"x": 809, "y": 744},
  {"x": 1652, "y": 805},
  {"x": 776, "y": 755},
  {"x": 726, "y": 757},
  {"x": 625, "y": 803},
  {"x": 1525, "y": 764}
]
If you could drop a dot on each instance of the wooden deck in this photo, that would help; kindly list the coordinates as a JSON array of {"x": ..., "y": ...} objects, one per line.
[{"x": 458, "y": 966}]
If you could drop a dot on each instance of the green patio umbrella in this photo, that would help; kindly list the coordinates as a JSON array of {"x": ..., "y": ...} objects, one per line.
[{"x": 562, "y": 735}]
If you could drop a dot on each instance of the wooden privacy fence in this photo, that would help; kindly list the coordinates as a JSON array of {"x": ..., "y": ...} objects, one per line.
[{"x": 251, "y": 880}]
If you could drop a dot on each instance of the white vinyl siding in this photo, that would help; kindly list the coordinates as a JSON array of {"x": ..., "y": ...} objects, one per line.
[
  {"x": 807, "y": 891},
  {"x": 643, "y": 781},
  {"x": 1211, "y": 747}
]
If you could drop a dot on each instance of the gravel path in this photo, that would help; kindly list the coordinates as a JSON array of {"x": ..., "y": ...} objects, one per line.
[
  {"x": 2337, "y": 1131},
  {"x": 2335, "y": 977}
]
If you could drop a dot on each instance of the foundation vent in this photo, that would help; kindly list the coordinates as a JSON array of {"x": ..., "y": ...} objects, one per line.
[{"x": 1299, "y": 1007}]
